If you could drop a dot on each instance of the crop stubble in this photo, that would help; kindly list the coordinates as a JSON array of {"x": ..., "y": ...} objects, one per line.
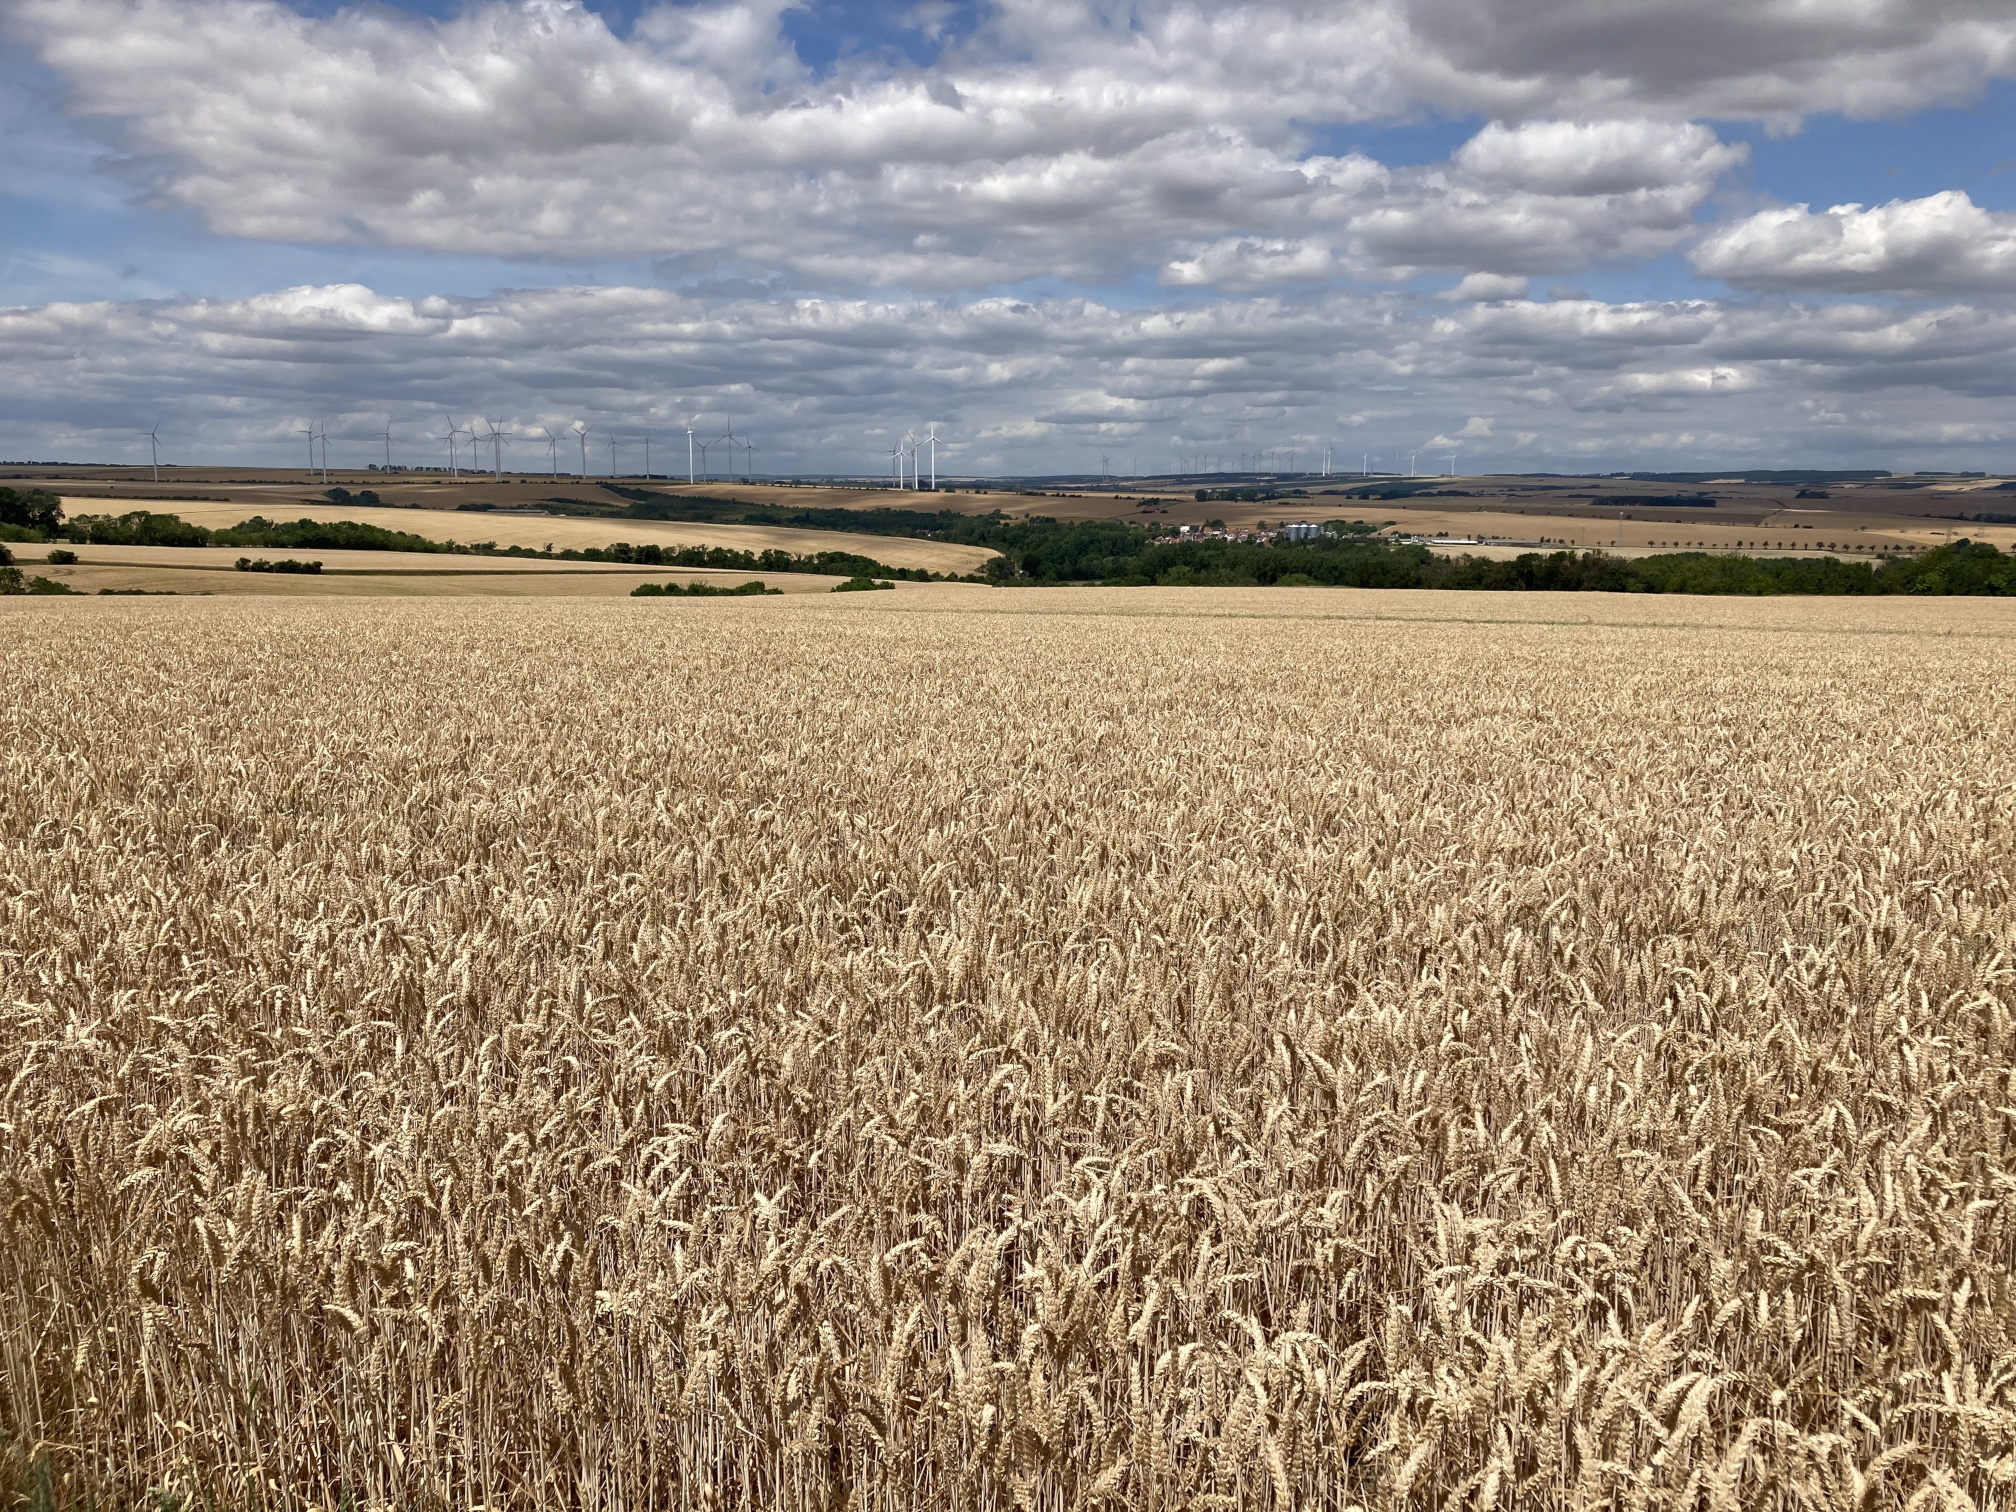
[{"x": 797, "y": 1054}]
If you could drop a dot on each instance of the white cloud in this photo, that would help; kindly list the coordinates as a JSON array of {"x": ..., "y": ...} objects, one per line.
[
  {"x": 1060, "y": 142},
  {"x": 1489, "y": 286},
  {"x": 1239, "y": 263},
  {"x": 1597, "y": 157},
  {"x": 1942, "y": 244},
  {"x": 1023, "y": 386}
]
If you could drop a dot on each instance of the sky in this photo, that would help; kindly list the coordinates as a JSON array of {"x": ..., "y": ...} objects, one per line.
[{"x": 1487, "y": 235}]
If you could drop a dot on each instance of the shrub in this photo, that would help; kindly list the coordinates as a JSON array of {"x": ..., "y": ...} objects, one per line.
[
  {"x": 860, "y": 585},
  {"x": 61, "y": 558}
]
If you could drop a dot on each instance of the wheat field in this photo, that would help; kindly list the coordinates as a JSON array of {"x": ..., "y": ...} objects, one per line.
[{"x": 1283, "y": 1049}]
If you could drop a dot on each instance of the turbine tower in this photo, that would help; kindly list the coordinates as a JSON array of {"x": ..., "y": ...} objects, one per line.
[
  {"x": 498, "y": 441},
  {"x": 309, "y": 432},
  {"x": 732, "y": 439},
  {"x": 154, "y": 443},
  {"x": 689, "y": 454},
  {"x": 931, "y": 440},
  {"x": 450, "y": 439},
  {"x": 583, "y": 431},
  {"x": 388, "y": 448},
  {"x": 552, "y": 449}
]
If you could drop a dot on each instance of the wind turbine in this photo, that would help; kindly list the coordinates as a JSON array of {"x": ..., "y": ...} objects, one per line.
[
  {"x": 498, "y": 441},
  {"x": 583, "y": 431},
  {"x": 931, "y": 440},
  {"x": 154, "y": 441},
  {"x": 896, "y": 462},
  {"x": 310, "y": 434},
  {"x": 689, "y": 454},
  {"x": 647, "y": 456},
  {"x": 552, "y": 448},
  {"x": 324, "y": 439},
  {"x": 612, "y": 454},
  {"x": 748, "y": 461},
  {"x": 388, "y": 448},
  {"x": 1104, "y": 463},
  {"x": 732, "y": 439}
]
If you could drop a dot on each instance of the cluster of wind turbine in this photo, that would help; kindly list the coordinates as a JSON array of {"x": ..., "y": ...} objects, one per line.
[
  {"x": 498, "y": 441},
  {"x": 316, "y": 431},
  {"x": 907, "y": 450},
  {"x": 914, "y": 459}
]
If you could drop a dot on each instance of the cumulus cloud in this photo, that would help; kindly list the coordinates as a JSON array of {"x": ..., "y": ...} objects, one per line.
[
  {"x": 1758, "y": 59},
  {"x": 1942, "y": 244},
  {"x": 1059, "y": 141},
  {"x": 1489, "y": 286},
  {"x": 1025, "y": 386}
]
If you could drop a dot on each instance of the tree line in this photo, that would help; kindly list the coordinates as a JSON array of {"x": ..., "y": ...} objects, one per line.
[{"x": 1042, "y": 550}]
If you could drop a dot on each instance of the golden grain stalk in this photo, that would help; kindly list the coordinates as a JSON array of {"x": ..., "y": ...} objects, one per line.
[{"x": 565, "y": 1055}]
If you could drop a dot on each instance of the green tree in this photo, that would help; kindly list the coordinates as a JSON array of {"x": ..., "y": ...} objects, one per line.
[{"x": 31, "y": 509}]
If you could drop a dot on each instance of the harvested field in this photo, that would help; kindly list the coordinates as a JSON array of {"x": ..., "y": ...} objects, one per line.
[
  {"x": 398, "y": 575},
  {"x": 564, "y": 532},
  {"x": 1045, "y": 1049}
]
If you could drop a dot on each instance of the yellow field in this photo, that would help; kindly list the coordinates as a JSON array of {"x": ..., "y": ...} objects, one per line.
[
  {"x": 380, "y": 574},
  {"x": 1055, "y": 1049},
  {"x": 563, "y": 532}
]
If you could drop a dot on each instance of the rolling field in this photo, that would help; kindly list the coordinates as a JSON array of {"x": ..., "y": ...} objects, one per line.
[
  {"x": 562, "y": 532},
  {"x": 1082, "y": 1048},
  {"x": 374, "y": 574}
]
